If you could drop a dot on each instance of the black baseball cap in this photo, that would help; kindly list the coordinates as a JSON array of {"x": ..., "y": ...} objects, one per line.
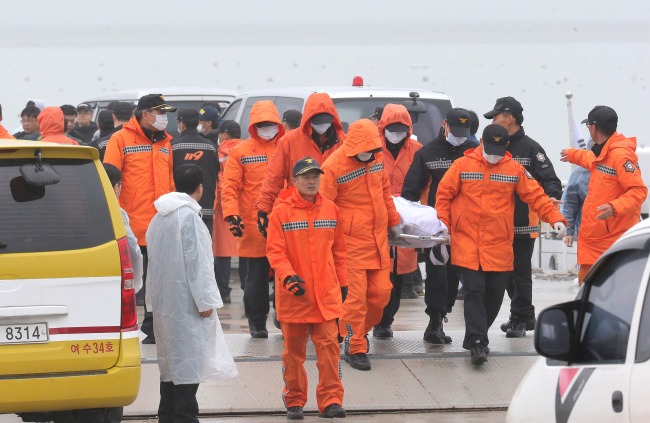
[
  {"x": 292, "y": 117},
  {"x": 603, "y": 117},
  {"x": 84, "y": 106},
  {"x": 397, "y": 127},
  {"x": 505, "y": 104},
  {"x": 231, "y": 128},
  {"x": 495, "y": 139},
  {"x": 123, "y": 110},
  {"x": 154, "y": 102},
  {"x": 305, "y": 165},
  {"x": 208, "y": 113},
  {"x": 459, "y": 121},
  {"x": 379, "y": 111},
  {"x": 320, "y": 118},
  {"x": 188, "y": 113},
  {"x": 105, "y": 118}
]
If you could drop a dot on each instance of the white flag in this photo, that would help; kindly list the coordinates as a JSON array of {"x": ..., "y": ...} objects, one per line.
[{"x": 578, "y": 139}]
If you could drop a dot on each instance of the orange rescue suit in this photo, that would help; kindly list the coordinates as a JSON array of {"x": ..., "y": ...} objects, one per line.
[
  {"x": 5, "y": 135},
  {"x": 476, "y": 201},
  {"x": 616, "y": 180},
  {"x": 147, "y": 173},
  {"x": 243, "y": 177},
  {"x": 297, "y": 145},
  {"x": 396, "y": 168},
  {"x": 51, "y": 126},
  {"x": 224, "y": 243}
]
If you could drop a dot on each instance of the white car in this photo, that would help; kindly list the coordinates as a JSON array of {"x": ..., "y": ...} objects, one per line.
[
  {"x": 596, "y": 348},
  {"x": 427, "y": 108}
]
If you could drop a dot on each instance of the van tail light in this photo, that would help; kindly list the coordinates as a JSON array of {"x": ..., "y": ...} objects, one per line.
[{"x": 129, "y": 310}]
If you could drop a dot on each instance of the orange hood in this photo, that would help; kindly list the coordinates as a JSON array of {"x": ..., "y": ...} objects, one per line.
[
  {"x": 362, "y": 136},
  {"x": 320, "y": 103},
  {"x": 394, "y": 113},
  {"x": 50, "y": 121},
  {"x": 292, "y": 197},
  {"x": 264, "y": 111}
]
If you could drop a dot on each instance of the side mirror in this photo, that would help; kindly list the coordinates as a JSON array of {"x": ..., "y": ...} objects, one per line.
[{"x": 555, "y": 331}]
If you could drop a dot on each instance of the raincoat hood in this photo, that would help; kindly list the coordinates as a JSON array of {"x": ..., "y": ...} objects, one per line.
[
  {"x": 292, "y": 197},
  {"x": 264, "y": 111},
  {"x": 50, "y": 121},
  {"x": 616, "y": 141},
  {"x": 226, "y": 146},
  {"x": 362, "y": 136},
  {"x": 320, "y": 103},
  {"x": 173, "y": 201},
  {"x": 394, "y": 113}
]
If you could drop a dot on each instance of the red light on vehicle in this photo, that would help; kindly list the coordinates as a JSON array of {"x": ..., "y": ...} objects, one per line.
[
  {"x": 357, "y": 81},
  {"x": 129, "y": 310}
]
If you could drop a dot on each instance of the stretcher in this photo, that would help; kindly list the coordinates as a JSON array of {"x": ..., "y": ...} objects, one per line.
[{"x": 420, "y": 225}]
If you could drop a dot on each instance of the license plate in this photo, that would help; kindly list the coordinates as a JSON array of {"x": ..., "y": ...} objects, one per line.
[{"x": 26, "y": 333}]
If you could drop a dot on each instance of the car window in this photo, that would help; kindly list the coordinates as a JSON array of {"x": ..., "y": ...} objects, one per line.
[
  {"x": 609, "y": 308},
  {"x": 425, "y": 125},
  {"x": 246, "y": 114},
  {"x": 72, "y": 214},
  {"x": 231, "y": 113},
  {"x": 288, "y": 103},
  {"x": 643, "y": 340}
]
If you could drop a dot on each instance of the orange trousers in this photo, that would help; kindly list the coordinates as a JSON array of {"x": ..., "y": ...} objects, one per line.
[
  {"x": 323, "y": 335},
  {"x": 584, "y": 269},
  {"x": 368, "y": 294}
]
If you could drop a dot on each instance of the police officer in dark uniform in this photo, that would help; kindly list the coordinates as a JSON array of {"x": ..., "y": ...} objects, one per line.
[
  {"x": 507, "y": 112},
  {"x": 190, "y": 147},
  {"x": 429, "y": 166}
]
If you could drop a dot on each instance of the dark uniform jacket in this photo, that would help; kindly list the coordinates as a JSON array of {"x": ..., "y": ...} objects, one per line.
[
  {"x": 430, "y": 164},
  {"x": 100, "y": 143},
  {"x": 84, "y": 133},
  {"x": 190, "y": 147},
  {"x": 532, "y": 156}
]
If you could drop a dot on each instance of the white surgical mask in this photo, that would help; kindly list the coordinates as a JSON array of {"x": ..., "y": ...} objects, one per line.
[
  {"x": 200, "y": 128},
  {"x": 320, "y": 129},
  {"x": 178, "y": 129},
  {"x": 268, "y": 132},
  {"x": 454, "y": 140},
  {"x": 365, "y": 156},
  {"x": 161, "y": 122},
  {"x": 394, "y": 137},
  {"x": 492, "y": 158}
]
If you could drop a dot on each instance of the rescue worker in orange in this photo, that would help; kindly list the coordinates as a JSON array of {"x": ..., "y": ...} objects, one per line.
[
  {"x": 475, "y": 199},
  {"x": 319, "y": 135},
  {"x": 52, "y": 125},
  {"x": 4, "y": 134},
  {"x": 306, "y": 248},
  {"x": 242, "y": 181},
  {"x": 616, "y": 190},
  {"x": 142, "y": 151},
  {"x": 224, "y": 244},
  {"x": 357, "y": 183},
  {"x": 395, "y": 129}
]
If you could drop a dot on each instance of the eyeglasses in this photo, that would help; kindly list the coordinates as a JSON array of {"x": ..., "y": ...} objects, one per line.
[{"x": 28, "y": 120}]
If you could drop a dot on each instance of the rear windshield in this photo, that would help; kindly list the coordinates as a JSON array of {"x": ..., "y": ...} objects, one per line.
[
  {"x": 425, "y": 125},
  {"x": 73, "y": 214}
]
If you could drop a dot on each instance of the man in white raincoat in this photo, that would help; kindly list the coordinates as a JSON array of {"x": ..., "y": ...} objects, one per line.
[{"x": 182, "y": 295}]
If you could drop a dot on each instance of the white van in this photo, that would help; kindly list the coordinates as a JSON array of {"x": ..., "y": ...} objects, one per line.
[
  {"x": 427, "y": 108},
  {"x": 596, "y": 349}
]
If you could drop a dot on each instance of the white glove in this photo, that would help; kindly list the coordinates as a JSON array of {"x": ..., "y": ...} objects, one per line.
[
  {"x": 394, "y": 233},
  {"x": 439, "y": 255},
  {"x": 560, "y": 228}
]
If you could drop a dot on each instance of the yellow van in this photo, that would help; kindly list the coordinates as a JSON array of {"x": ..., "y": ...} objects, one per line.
[{"x": 69, "y": 348}]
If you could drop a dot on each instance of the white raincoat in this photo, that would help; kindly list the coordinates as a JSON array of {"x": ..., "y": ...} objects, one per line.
[
  {"x": 180, "y": 284},
  {"x": 136, "y": 254}
]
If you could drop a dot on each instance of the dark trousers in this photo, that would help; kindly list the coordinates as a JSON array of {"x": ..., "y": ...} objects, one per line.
[
  {"x": 483, "y": 298},
  {"x": 222, "y": 274},
  {"x": 178, "y": 403},
  {"x": 440, "y": 286},
  {"x": 520, "y": 286},
  {"x": 256, "y": 291},
  {"x": 147, "y": 322},
  {"x": 243, "y": 270},
  {"x": 395, "y": 294}
]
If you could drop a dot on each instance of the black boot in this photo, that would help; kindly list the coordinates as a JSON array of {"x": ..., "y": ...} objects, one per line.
[{"x": 434, "y": 332}]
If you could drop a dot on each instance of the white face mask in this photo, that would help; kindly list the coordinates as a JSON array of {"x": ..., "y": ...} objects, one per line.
[
  {"x": 394, "y": 137},
  {"x": 455, "y": 141},
  {"x": 178, "y": 129},
  {"x": 268, "y": 132},
  {"x": 492, "y": 158},
  {"x": 161, "y": 122},
  {"x": 365, "y": 156},
  {"x": 320, "y": 129},
  {"x": 200, "y": 128}
]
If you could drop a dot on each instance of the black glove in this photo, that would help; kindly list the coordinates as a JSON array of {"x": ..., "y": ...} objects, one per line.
[
  {"x": 294, "y": 285},
  {"x": 344, "y": 293},
  {"x": 262, "y": 222},
  {"x": 236, "y": 225}
]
